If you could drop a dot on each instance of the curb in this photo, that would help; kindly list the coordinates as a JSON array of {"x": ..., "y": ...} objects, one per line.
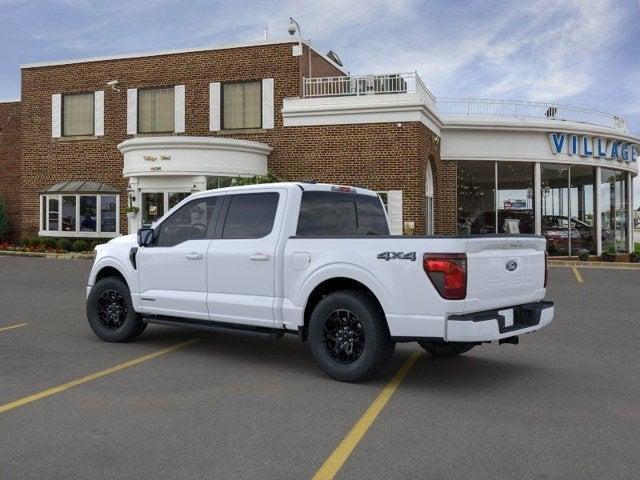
[
  {"x": 603, "y": 265},
  {"x": 55, "y": 256}
]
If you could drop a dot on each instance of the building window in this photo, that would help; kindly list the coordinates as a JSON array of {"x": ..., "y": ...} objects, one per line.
[
  {"x": 241, "y": 105},
  {"x": 78, "y": 215},
  {"x": 219, "y": 182},
  {"x": 78, "y": 114},
  {"x": 515, "y": 198},
  {"x": 156, "y": 110},
  {"x": 615, "y": 216},
  {"x": 476, "y": 197}
]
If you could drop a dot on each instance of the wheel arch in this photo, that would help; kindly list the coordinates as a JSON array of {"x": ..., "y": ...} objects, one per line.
[
  {"x": 326, "y": 284},
  {"x": 111, "y": 267},
  {"x": 109, "y": 271}
]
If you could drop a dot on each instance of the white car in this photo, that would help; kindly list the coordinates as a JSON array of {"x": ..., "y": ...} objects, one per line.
[{"x": 317, "y": 261}]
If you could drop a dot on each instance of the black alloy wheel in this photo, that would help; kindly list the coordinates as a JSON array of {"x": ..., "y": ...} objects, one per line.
[
  {"x": 344, "y": 336},
  {"x": 112, "y": 309}
]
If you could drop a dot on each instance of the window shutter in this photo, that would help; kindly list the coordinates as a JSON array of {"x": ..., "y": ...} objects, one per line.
[
  {"x": 56, "y": 115},
  {"x": 179, "y": 99},
  {"x": 215, "y": 112},
  {"x": 98, "y": 112},
  {"x": 394, "y": 210},
  {"x": 132, "y": 111},
  {"x": 267, "y": 103}
]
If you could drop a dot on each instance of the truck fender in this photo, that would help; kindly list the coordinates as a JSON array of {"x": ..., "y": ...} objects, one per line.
[
  {"x": 126, "y": 270},
  {"x": 343, "y": 270}
]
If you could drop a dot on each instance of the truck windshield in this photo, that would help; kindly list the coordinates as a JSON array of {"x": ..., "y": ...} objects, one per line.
[{"x": 337, "y": 213}]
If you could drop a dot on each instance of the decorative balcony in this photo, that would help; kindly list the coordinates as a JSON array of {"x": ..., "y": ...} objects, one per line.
[
  {"x": 358, "y": 85},
  {"x": 411, "y": 83}
]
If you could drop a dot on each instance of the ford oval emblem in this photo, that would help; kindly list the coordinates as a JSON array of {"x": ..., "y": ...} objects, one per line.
[{"x": 512, "y": 265}]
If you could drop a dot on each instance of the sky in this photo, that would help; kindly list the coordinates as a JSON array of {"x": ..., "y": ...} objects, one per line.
[{"x": 577, "y": 52}]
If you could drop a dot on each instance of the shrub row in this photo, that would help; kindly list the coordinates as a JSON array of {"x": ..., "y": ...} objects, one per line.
[{"x": 61, "y": 244}]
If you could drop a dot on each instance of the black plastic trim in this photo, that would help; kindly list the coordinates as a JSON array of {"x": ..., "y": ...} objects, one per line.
[
  {"x": 524, "y": 316},
  {"x": 493, "y": 235},
  {"x": 132, "y": 257},
  {"x": 214, "y": 326}
]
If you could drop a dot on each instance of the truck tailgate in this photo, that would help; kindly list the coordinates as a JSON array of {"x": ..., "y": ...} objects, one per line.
[{"x": 504, "y": 271}]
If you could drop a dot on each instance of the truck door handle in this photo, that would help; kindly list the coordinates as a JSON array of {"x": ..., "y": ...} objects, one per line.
[
  {"x": 259, "y": 256},
  {"x": 194, "y": 256}
]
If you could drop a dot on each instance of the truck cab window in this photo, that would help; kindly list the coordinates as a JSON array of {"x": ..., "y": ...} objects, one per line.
[
  {"x": 250, "y": 215},
  {"x": 331, "y": 213},
  {"x": 190, "y": 222}
]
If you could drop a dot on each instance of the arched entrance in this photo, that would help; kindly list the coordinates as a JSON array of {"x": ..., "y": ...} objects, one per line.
[{"x": 164, "y": 170}]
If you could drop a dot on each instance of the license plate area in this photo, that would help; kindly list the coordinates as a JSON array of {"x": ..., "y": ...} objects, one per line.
[{"x": 510, "y": 319}]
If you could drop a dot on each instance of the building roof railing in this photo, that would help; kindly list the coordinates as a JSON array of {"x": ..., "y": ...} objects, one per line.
[
  {"x": 527, "y": 109},
  {"x": 402, "y": 83},
  {"x": 357, "y": 85}
]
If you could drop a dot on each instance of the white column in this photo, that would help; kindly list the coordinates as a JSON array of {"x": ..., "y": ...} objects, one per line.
[
  {"x": 598, "y": 218},
  {"x": 98, "y": 113},
  {"x": 630, "y": 211},
  {"x": 537, "y": 195},
  {"x": 132, "y": 111}
]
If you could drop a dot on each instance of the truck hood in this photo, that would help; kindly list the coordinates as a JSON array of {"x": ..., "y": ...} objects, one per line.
[{"x": 118, "y": 242}]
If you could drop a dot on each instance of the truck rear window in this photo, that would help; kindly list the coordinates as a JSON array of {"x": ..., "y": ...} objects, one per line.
[{"x": 333, "y": 213}]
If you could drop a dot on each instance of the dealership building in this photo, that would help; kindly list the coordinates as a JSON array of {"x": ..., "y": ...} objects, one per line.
[{"x": 90, "y": 137}]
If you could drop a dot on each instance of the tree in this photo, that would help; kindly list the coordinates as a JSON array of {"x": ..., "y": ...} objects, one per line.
[
  {"x": 4, "y": 221},
  {"x": 268, "y": 178}
]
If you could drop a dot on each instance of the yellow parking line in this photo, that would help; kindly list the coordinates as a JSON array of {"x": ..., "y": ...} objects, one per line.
[
  {"x": 577, "y": 274},
  {"x": 13, "y": 326},
  {"x": 93, "y": 376},
  {"x": 332, "y": 465}
]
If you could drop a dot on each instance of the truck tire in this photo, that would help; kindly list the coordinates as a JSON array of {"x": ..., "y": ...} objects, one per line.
[
  {"x": 445, "y": 349},
  {"x": 349, "y": 337},
  {"x": 110, "y": 311}
]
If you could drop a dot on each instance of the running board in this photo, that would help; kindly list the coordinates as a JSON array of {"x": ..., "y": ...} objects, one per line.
[{"x": 211, "y": 326}]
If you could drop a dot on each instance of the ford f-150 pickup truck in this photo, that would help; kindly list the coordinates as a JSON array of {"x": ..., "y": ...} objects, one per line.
[{"x": 317, "y": 261}]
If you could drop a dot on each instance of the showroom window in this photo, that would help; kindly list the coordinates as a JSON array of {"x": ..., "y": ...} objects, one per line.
[
  {"x": 516, "y": 213},
  {"x": 476, "y": 197},
  {"x": 219, "y": 182},
  {"x": 78, "y": 114},
  {"x": 614, "y": 191},
  {"x": 156, "y": 110},
  {"x": 78, "y": 215},
  {"x": 241, "y": 105}
]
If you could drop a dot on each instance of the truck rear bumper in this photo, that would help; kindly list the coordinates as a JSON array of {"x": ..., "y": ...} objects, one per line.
[{"x": 498, "y": 324}]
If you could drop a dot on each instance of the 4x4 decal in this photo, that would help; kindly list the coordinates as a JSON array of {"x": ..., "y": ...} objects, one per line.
[{"x": 397, "y": 256}]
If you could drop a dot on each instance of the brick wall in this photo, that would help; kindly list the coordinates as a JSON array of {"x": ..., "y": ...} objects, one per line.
[
  {"x": 378, "y": 156},
  {"x": 9, "y": 160},
  {"x": 444, "y": 180},
  {"x": 45, "y": 161}
]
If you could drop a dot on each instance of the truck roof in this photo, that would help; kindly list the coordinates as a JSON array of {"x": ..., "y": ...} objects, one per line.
[{"x": 312, "y": 187}]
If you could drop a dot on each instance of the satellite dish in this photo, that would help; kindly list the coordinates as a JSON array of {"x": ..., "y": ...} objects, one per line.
[{"x": 334, "y": 56}]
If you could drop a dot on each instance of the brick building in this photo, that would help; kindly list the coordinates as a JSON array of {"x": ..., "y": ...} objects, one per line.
[{"x": 90, "y": 137}]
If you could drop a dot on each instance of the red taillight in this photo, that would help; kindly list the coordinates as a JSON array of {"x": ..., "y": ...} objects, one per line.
[
  {"x": 546, "y": 268},
  {"x": 448, "y": 273}
]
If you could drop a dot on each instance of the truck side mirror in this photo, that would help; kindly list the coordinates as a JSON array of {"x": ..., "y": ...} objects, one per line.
[{"x": 146, "y": 237}]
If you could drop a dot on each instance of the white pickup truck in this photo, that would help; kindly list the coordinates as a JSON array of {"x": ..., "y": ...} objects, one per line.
[{"x": 317, "y": 261}]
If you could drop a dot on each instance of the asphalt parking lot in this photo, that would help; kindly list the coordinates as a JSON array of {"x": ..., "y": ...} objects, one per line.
[{"x": 565, "y": 403}]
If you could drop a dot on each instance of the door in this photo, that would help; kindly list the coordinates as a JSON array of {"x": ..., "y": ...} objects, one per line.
[
  {"x": 242, "y": 259},
  {"x": 173, "y": 273}
]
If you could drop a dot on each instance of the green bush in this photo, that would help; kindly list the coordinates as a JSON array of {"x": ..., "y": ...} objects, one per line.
[
  {"x": 26, "y": 242},
  {"x": 80, "y": 246},
  {"x": 95, "y": 243},
  {"x": 257, "y": 179},
  {"x": 65, "y": 244},
  {"x": 4, "y": 221},
  {"x": 49, "y": 242}
]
